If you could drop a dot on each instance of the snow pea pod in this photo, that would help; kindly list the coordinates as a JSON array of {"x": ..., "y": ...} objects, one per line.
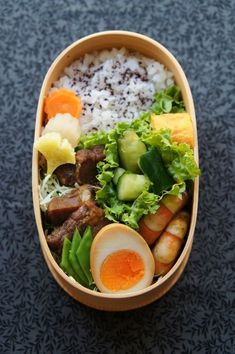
[
  {"x": 73, "y": 259},
  {"x": 65, "y": 264},
  {"x": 83, "y": 254}
]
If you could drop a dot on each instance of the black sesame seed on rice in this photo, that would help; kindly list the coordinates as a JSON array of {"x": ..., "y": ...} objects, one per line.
[{"x": 124, "y": 80}]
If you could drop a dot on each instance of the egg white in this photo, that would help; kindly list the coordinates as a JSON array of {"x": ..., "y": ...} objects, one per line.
[{"x": 116, "y": 237}]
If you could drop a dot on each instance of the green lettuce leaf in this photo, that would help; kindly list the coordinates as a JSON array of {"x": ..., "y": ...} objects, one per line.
[
  {"x": 178, "y": 158},
  {"x": 168, "y": 101},
  {"x": 89, "y": 140}
]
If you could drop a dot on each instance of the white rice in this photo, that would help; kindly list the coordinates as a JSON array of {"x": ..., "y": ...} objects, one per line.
[{"x": 115, "y": 85}]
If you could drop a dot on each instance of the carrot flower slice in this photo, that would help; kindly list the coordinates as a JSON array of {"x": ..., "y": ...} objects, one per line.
[{"x": 63, "y": 101}]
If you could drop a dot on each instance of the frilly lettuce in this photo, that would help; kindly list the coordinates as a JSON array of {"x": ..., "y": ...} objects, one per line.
[
  {"x": 178, "y": 159},
  {"x": 168, "y": 101}
]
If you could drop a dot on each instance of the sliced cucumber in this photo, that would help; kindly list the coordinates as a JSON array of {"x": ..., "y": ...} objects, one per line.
[
  {"x": 152, "y": 165},
  {"x": 130, "y": 148},
  {"x": 130, "y": 186},
  {"x": 117, "y": 174}
]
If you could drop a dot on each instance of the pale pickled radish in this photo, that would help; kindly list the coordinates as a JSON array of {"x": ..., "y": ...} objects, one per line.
[
  {"x": 170, "y": 242},
  {"x": 64, "y": 124}
]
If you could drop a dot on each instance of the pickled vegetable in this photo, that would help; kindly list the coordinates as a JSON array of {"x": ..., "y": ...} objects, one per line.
[
  {"x": 57, "y": 151},
  {"x": 66, "y": 126}
]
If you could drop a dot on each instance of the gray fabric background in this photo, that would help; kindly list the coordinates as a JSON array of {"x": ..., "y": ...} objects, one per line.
[{"x": 198, "y": 314}]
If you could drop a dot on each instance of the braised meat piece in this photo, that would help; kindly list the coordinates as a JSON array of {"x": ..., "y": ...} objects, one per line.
[
  {"x": 86, "y": 214},
  {"x": 84, "y": 172},
  {"x": 87, "y": 192},
  {"x": 60, "y": 208},
  {"x": 66, "y": 174},
  {"x": 86, "y": 161},
  {"x": 102, "y": 222}
]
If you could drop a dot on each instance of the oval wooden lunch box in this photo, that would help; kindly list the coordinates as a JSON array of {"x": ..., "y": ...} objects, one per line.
[{"x": 152, "y": 49}]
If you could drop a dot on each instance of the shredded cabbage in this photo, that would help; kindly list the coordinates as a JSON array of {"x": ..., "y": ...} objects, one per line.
[{"x": 49, "y": 188}]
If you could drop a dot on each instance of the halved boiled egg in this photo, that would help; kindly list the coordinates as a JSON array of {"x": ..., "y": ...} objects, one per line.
[{"x": 121, "y": 260}]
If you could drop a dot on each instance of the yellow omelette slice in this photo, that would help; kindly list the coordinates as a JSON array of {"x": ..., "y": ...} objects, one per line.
[{"x": 180, "y": 125}]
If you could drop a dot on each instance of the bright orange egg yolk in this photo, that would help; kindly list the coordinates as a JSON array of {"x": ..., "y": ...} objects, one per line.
[{"x": 121, "y": 270}]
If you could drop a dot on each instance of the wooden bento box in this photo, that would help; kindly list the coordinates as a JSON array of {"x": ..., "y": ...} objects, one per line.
[{"x": 152, "y": 49}]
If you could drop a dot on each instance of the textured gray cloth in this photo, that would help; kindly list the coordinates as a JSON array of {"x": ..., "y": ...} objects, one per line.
[{"x": 198, "y": 314}]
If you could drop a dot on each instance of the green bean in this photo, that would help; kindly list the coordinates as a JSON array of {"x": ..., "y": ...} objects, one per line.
[
  {"x": 73, "y": 259},
  {"x": 83, "y": 253}
]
